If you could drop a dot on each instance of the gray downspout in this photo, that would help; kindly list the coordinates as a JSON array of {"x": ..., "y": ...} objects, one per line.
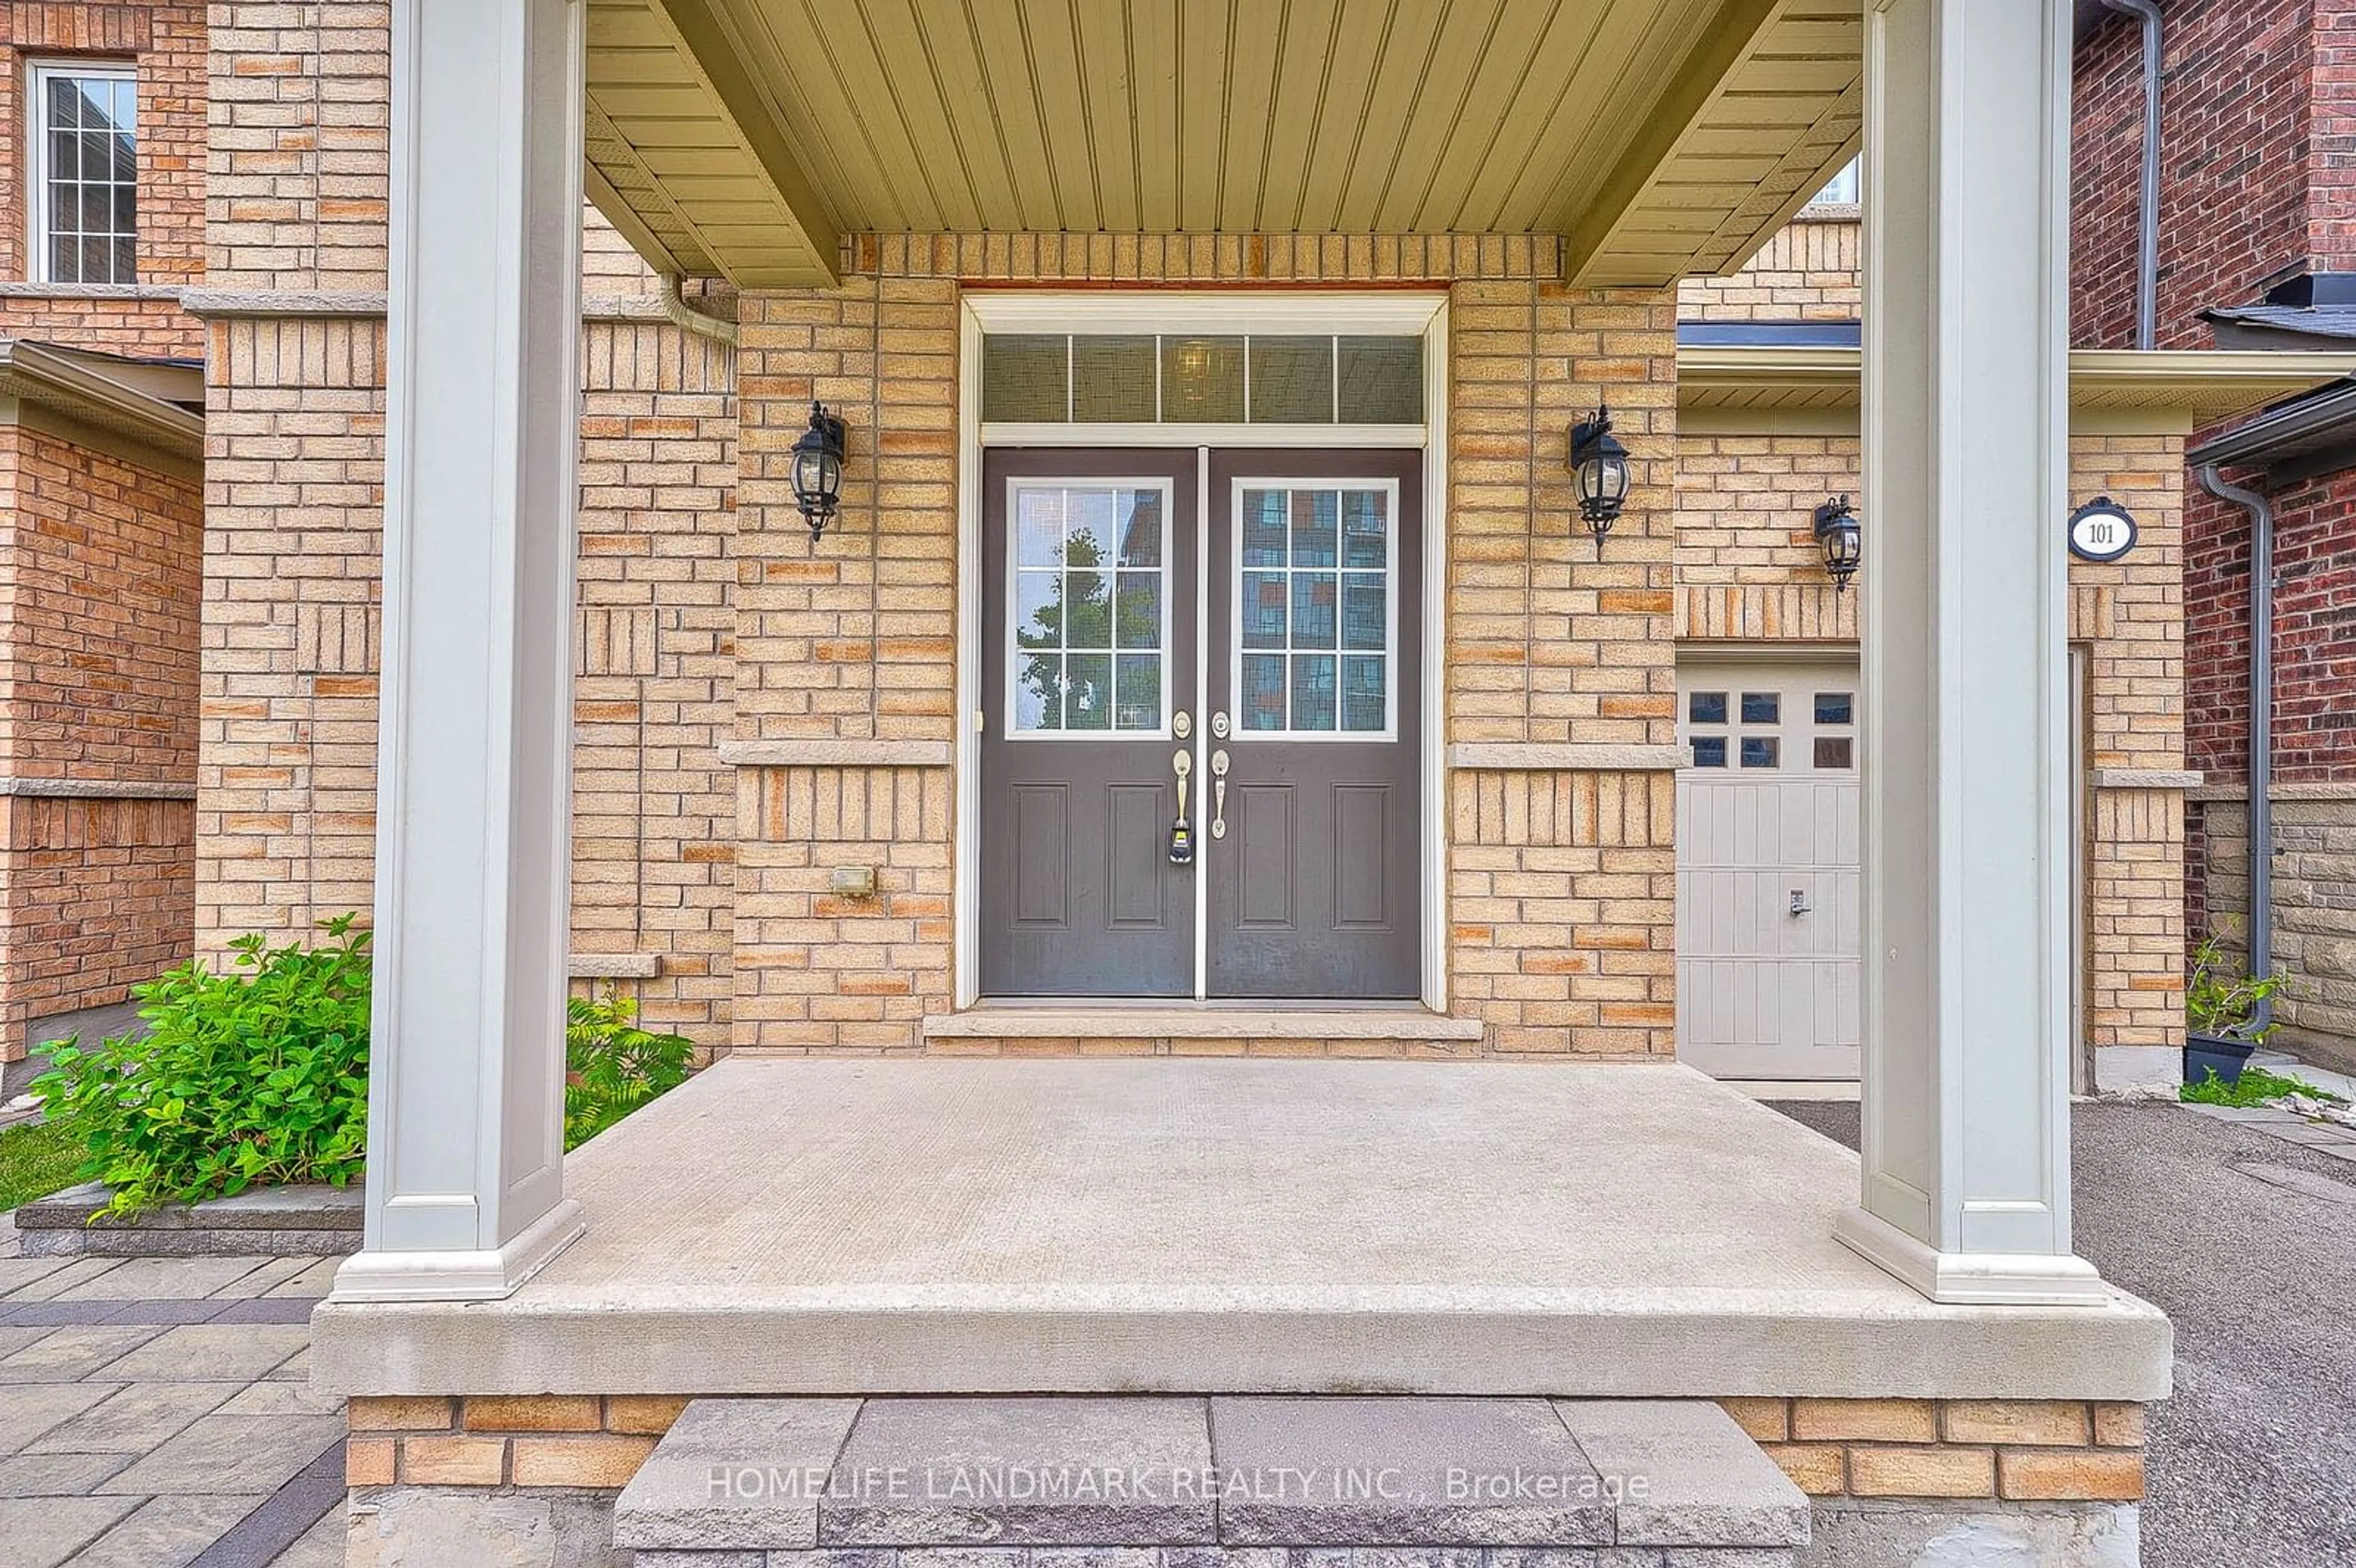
[
  {"x": 2262, "y": 724},
  {"x": 2148, "y": 218}
]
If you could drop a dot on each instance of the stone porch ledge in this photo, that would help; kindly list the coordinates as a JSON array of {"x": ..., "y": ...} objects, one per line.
[{"x": 929, "y": 1226}]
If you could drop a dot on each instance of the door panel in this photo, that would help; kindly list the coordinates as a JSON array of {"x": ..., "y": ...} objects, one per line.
[
  {"x": 1088, "y": 651},
  {"x": 1313, "y": 654},
  {"x": 1769, "y": 929}
]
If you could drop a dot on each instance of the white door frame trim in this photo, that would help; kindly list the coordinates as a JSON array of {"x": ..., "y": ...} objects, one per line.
[{"x": 1400, "y": 311}]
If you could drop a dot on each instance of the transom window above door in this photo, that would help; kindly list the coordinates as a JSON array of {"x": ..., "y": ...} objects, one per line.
[
  {"x": 1283, "y": 378},
  {"x": 1089, "y": 617},
  {"x": 1316, "y": 614}
]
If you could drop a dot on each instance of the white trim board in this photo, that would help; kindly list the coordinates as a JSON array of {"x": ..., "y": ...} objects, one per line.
[{"x": 1402, "y": 312}]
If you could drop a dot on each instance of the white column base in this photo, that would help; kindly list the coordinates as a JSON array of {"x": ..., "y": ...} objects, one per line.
[
  {"x": 457, "y": 1276},
  {"x": 1971, "y": 1279}
]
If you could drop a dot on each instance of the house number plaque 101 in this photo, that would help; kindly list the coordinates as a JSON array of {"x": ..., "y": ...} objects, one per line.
[{"x": 2101, "y": 529}]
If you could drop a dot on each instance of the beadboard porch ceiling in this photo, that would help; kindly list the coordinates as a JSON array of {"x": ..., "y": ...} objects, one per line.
[{"x": 1659, "y": 137}]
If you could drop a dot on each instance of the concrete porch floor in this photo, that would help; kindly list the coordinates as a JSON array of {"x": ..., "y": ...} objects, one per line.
[{"x": 887, "y": 1225}]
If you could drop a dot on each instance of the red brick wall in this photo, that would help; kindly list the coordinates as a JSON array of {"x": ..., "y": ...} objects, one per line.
[
  {"x": 100, "y": 561},
  {"x": 2315, "y": 635},
  {"x": 167, "y": 40},
  {"x": 99, "y": 564},
  {"x": 2243, "y": 138},
  {"x": 2331, "y": 201},
  {"x": 100, "y": 895}
]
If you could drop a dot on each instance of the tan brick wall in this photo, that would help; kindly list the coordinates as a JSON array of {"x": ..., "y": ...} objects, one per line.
[
  {"x": 1565, "y": 882},
  {"x": 2019, "y": 1451},
  {"x": 298, "y": 156},
  {"x": 291, "y": 645},
  {"x": 654, "y": 811},
  {"x": 1749, "y": 566},
  {"x": 1748, "y": 570},
  {"x": 1562, "y": 885},
  {"x": 166, "y": 40},
  {"x": 2129, "y": 619},
  {"x": 1809, "y": 272},
  {"x": 294, "y": 503},
  {"x": 547, "y": 1440},
  {"x": 848, "y": 638},
  {"x": 98, "y": 658}
]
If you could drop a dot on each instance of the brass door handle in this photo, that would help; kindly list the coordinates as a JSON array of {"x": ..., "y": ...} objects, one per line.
[{"x": 1182, "y": 834}]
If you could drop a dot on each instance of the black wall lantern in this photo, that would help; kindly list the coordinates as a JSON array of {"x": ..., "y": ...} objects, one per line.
[
  {"x": 1600, "y": 466},
  {"x": 818, "y": 470},
  {"x": 1842, "y": 541}
]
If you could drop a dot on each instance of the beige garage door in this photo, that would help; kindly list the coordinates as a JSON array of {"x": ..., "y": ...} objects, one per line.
[{"x": 1768, "y": 916}]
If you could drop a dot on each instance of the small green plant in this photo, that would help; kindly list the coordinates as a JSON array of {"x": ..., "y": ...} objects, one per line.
[
  {"x": 2254, "y": 1087},
  {"x": 2220, "y": 999},
  {"x": 611, "y": 1066},
  {"x": 258, "y": 1075}
]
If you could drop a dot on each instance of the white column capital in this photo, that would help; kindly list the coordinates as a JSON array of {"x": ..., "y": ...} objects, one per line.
[{"x": 465, "y": 1175}]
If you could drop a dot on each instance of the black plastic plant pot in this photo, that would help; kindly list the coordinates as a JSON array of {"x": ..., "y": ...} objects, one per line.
[{"x": 2207, "y": 1053}]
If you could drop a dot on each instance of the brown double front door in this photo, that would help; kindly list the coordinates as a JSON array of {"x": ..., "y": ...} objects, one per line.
[{"x": 1240, "y": 627}]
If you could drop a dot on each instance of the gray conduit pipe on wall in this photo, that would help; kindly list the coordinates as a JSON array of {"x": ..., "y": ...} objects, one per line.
[
  {"x": 2262, "y": 722},
  {"x": 2147, "y": 216}
]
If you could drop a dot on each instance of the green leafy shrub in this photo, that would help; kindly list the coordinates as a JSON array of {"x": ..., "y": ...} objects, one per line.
[
  {"x": 255, "y": 1076},
  {"x": 611, "y": 1066},
  {"x": 2219, "y": 999}
]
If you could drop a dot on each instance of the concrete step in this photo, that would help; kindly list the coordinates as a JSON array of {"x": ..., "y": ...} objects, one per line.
[{"x": 1244, "y": 1482}]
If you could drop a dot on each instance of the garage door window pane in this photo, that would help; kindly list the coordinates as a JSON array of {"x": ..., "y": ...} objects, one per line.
[
  {"x": 1761, "y": 707},
  {"x": 1834, "y": 708},
  {"x": 1709, "y": 752},
  {"x": 1705, "y": 708},
  {"x": 1834, "y": 751},
  {"x": 1760, "y": 752}
]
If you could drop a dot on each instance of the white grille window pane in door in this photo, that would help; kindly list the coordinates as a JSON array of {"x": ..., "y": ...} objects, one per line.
[
  {"x": 1089, "y": 620},
  {"x": 1313, "y": 611}
]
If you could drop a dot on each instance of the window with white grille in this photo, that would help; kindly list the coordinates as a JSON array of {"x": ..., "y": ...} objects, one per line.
[{"x": 84, "y": 174}]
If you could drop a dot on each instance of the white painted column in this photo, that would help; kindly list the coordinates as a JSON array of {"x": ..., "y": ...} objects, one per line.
[
  {"x": 1966, "y": 1176},
  {"x": 465, "y": 1180}
]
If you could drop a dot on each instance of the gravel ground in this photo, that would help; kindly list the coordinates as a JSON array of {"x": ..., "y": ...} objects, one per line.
[{"x": 2253, "y": 1462}]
